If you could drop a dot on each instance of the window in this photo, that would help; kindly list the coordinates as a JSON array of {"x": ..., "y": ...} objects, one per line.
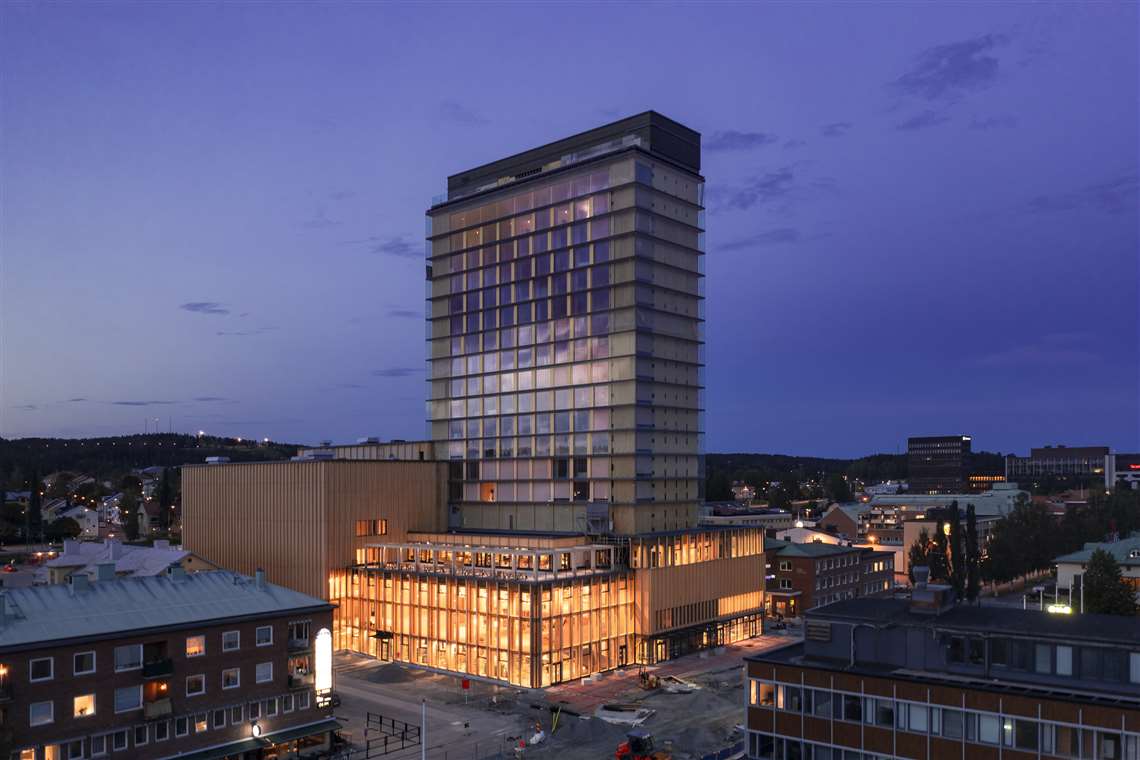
[
  {"x": 999, "y": 652},
  {"x": 884, "y": 714},
  {"x": 128, "y": 698},
  {"x": 231, "y": 641},
  {"x": 181, "y": 726},
  {"x": 988, "y": 728},
  {"x": 1021, "y": 734},
  {"x": 231, "y": 678},
  {"x": 372, "y": 527},
  {"x": 953, "y": 724},
  {"x": 852, "y": 708},
  {"x": 83, "y": 706},
  {"x": 219, "y": 720},
  {"x": 195, "y": 646},
  {"x": 200, "y": 723},
  {"x": 74, "y": 750},
  {"x": 195, "y": 685},
  {"x": 1043, "y": 658},
  {"x": 785, "y": 564},
  {"x": 41, "y": 713},
  {"x": 788, "y": 698},
  {"x": 119, "y": 741},
  {"x": 785, "y": 583},
  {"x": 918, "y": 718},
  {"x": 762, "y": 693},
  {"x": 236, "y": 714},
  {"x": 1064, "y": 656},
  {"x": 128, "y": 657},
  {"x": 822, "y": 706},
  {"x": 161, "y": 731},
  {"x": 254, "y": 710},
  {"x": 41, "y": 669},
  {"x": 140, "y": 735},
  {"x": 1134, "y": 667},
  {"x": 98, "y": 745},
  {"x": 270, "y": 707},
  {"x": 302, "y": 700},
  {"x": 83, "y": 663},
  {"x": 957, "y": 649},
  {"x": 264, "y": 635},
  {"x": 264, "y": 672},
  {"x": 287, "y": 703}
]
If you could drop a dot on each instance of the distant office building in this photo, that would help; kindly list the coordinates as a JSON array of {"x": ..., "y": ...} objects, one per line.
[
  {"x": 204, "y": 666},
  {"x": 1125, "y": 470},
  {"x": 1079, "y": 463},
  {"x": 809, "y": 575},
  {"x": 937, "y": 464},
  {"x": 980, "y": 482},
  {"x": 733, "y": 513},
  {"x": 923, "y": 679}
]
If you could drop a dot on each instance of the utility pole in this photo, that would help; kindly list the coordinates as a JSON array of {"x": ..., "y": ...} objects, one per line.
[{"x": 423, "y": 728}]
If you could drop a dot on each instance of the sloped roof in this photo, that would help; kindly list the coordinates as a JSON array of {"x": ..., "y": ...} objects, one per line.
[
  {"x": 127, "y": 605},
  {"x": 85, "y": 556},
  {"x": 1122, "y": 551}
]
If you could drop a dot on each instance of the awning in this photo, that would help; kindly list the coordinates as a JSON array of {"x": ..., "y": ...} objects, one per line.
[
  {"x": 300, "y": 732},
  {"x": 214, "y": 753}
]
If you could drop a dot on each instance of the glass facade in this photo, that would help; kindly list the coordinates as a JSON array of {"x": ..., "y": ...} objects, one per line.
[{"x": 565, "y": 350}]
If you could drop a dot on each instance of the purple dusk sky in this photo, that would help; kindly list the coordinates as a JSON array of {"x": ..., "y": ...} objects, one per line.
[{"x": 922, "y": 218}]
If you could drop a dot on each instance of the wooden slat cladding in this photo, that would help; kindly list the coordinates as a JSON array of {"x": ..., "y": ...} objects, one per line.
[
  {"x": 665, "y": 587},
  {"x": 296, "y": 520}
]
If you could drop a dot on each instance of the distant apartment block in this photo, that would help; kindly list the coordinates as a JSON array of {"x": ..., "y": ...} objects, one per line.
[
  {"x": 810, "y": 575},
  {"x": 937, "y": 464},
  {"x": 1126, "y": 552},
  {"x": 204, "y": 666},
  {"x": 924, "y": 679}
]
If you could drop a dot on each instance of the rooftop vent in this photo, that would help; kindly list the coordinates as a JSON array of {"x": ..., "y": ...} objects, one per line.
[
  {"x": 369, "y": 439},
  {"x": 217, "y": 460}
]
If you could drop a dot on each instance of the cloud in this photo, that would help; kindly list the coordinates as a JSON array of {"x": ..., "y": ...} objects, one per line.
[
  {"x": 320, "y": 221},
  {"x": 924, "y": 120},
  {"x": 450, "y": 110},
  {"x": 398, "y": 246},
  {"x": 25, "y": 407},
  {"x": 75, "y": 400},
  {"x": 405, "y": 313},
  {"x": 1064, "y": 348},
  {"x": 396, "y": 372},
  {"x": 143, "y": 403},
  {"x": 944, "y": 72},
  {"x": 1113, "y": 196},
  {"x": 770, "y": 237},
  {"x": 835, "y": 129},
  {"x": 789, "y": 144},
  {"x": 994, "y": 122},
  {"x": 766, "y": 188},
  {"x": 734, "y": 140},
  {"x": 205, "y": 307},
  {"x": 242, "y": 333},
  {"x": 210, "y": 398}
]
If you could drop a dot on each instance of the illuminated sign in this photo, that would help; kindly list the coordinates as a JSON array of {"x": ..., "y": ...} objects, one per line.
[
  {"x": 1059, "y": 609},
  {"x": 323, "y": 674}
]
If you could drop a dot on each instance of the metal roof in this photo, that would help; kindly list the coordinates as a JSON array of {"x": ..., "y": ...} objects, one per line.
[
  {"x": 1126, "y": 551},
  {"x": 42, "y": 614}
]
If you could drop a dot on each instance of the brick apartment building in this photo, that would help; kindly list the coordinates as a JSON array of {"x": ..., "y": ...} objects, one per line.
[
  {"x": 810, "y": 575},
  {"x": 923, "y": 679},
  {"x": 203, "y": 666}
]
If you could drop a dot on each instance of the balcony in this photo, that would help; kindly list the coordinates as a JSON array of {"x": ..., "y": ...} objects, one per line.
[
  {"x": 299, "y": 645},
  {"x": 297, "y": 680},
  {"x": 157, "y": 708},
  {"x": 158, "y": 668}
]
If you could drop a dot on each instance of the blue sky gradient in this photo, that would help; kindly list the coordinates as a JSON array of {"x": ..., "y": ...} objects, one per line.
[{"x": 922, "y": 219}]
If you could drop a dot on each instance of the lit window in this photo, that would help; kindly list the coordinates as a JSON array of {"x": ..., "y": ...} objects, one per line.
[
  {"x": 195, "y": 646},
  {"x": 231, "y": 678},
  {"x": 200, "y": 723},
  {"x": 84, "y": 705}
]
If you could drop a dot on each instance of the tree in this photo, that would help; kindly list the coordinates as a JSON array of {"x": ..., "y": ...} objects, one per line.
[
  {"x": 957, "y": 564},
  {"x": 940, "y": 557},
  {"x": 165, "y": 499},
  {"x": 34, "y": 517},
  {"x": 973, "y": 561},
  {"x": 919, "y": 552},
  {"x": 128, "y": 514},
  {"x": 837, "y": 488},
  {"x": 62, "y": 528},
  {"x": 1103, "y": 588},
  {"x": 719, "y": 487}
]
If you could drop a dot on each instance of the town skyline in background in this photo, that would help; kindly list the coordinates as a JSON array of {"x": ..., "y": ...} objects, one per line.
[{"x": 243, "y": 239}]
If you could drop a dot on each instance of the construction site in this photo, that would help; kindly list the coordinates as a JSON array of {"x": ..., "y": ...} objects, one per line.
[{"x": 685, "y": 709}]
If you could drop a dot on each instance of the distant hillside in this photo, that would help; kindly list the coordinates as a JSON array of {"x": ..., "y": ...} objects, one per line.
[{"x": 108, "y": 457}]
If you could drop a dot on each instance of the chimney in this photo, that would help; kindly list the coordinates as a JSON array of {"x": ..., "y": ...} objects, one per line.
[
  {"x": 114, "y": 549},
  {"x": 259, "y": 579},
  {"x": 70, "y": 547},
  {"x": 79, "y": 582},
  {"x": 921, "y": 575},
  {"x": 105, "y": 571}
]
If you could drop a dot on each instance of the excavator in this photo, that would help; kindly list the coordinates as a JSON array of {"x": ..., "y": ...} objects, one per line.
[{"x": 638, "y": 745}]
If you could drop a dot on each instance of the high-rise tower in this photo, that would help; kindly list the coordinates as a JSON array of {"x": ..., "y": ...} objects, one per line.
[{"x": 565, "y": 344}]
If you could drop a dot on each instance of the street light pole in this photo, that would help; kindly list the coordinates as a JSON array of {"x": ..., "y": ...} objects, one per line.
[{"x": 423, "y": 729}]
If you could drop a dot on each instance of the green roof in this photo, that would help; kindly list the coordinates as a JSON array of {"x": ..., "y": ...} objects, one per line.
[
  {"x": 815, "y": 549},
  {"x": 1126, "y": 551}
]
